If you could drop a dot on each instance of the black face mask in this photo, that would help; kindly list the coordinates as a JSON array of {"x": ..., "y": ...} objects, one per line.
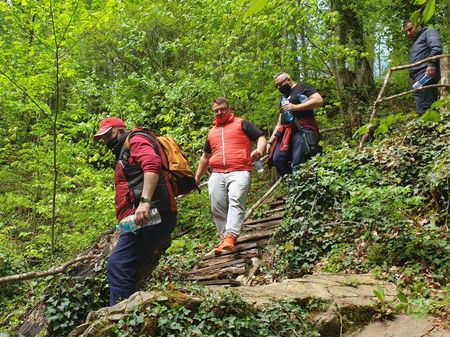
[
  {"x": 285, "y": 89},
  {"x": 112, "y": 143}
]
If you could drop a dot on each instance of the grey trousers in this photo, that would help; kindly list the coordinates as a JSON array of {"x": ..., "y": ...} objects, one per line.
[{"x": 227, "y": 194}]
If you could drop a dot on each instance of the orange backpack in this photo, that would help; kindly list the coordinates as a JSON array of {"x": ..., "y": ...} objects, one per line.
[{"x": 181, "y": 177}]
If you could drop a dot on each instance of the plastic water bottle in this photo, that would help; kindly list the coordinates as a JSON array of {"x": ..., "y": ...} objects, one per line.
[
  {"x": 419, "y": 84},
  {"x": 302, "y": 98},
  {"x": 288, "y": 116},
  {"x": 128, "y": 224},
  {"x": 258, "y": 165}
]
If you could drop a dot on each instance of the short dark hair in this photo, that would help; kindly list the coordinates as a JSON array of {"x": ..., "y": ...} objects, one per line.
[
  {"x": 406, "y": 21},
  {"x": 221, "y": 100},
  {"x": 288, "y": 77}
]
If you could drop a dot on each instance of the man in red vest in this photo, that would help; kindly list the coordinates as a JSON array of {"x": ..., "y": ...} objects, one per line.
[{"x": 228, "y": 151}]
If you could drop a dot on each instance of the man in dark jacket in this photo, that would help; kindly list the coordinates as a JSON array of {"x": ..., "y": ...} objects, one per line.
[
  {"x": 427, "y": 43},
  {"x": 140, "y": 185},
  {"x": 286, "y": 145}
]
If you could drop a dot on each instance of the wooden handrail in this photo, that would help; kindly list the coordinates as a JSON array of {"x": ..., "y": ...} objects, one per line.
[{"x": 444, "y": 79}]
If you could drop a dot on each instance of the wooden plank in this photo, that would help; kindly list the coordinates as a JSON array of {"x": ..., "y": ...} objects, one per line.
[
  {"x": 276, "y": 203},
  {"x": 239, "y": 248},
  {"x": 217, "y": 266},
  {"x": 221, "y": 282},
  {"x": 224, "y": 273},
  {"x": 270, "y": 218},
  {"x": 255, "y": 235},
  {"x": 247, "y": 254},
  {"x": 274, "y": 210},
  {"x": 263, "y": 225}
]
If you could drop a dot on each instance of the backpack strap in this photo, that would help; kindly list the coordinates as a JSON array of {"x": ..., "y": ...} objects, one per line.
[{"x": 155, "y": 143}]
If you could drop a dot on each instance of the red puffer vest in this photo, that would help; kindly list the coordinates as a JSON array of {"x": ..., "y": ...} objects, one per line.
[{"x": 230, "y": 147}]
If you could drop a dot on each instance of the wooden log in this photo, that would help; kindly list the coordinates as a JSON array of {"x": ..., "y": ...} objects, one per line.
[
  {"x": 239, "y": 248},
  {"x": 445, "y": 75},
  {"x": 276, "y": 203},
  {"x": 265, "y": 225},
  {"x": 253, "y": 236},
  {"x": 247, "y": 254},
  {"x": 272, "y": 211},
  {"x": 221, "y": 282},
  {"x": 216, "y": 266},
  {"x": 53, "y": 271},
  {"x": 264, "y": 197},
  {"x": 270, "y": 218},
  {"x": 224, "y": 273}
]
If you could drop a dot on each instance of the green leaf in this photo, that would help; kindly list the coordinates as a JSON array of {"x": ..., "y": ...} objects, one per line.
[
  {"x": 414, "y": 18},
  {"x": 429, "y": 10},
  {"x": 402, "y": 297},
  {"x": 419, "y": 2}
]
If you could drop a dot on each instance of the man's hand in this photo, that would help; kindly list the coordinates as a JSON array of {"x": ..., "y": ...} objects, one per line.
[
  {"x": 255, "y": 155},
  {"x": 143, "y": 213},
  {"x": 197, "y": 180},
  {"x": 431, "y": 71},
  {"x": 289, "y": 106},
  {"x": 268, "y": 147}
]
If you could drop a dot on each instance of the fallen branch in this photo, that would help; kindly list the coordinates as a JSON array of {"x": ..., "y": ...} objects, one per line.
[
  {"x": 264, "y": 197},
  {"x": 53, "y": 271}
]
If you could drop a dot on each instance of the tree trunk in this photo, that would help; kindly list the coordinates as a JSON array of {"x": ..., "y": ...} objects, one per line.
[{"x": 354, "y": 77}]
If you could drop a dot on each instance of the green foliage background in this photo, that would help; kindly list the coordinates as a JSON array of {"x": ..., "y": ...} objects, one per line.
[{"x": 64, "y": 65}]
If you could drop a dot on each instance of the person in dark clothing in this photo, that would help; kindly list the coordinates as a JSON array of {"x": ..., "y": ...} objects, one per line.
[
  {"x": 427, "y": 43},
  {"x": 140, "y": 184},
  {"x": 286, "y": 145}
]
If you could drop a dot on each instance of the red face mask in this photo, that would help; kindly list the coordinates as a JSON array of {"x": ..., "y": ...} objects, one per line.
[{"x": 224, "y": 119}]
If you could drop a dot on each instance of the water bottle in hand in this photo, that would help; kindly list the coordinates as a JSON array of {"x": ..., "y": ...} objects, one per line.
[
  {"x": 288, "y": 116},
  {"x": 420, "y": 83},
  {"x": 258, "y": 166},
  {"x": 128, "y": 224}
]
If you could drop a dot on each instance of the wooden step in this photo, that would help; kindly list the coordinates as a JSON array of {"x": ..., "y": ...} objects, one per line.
[
  {"x": 261, "y": 226},
  {"x": 241, "y": 247},
  {"x": 247, "y": 254},
  {"x": 226, "y": 281},
  {"x": 254, "y": 235},
  {"x": 270, "y": 218},
  {"x": 223, "y": 273},
  {"x": 276, "y": 203},
  {"x": 214, "y": 266}
]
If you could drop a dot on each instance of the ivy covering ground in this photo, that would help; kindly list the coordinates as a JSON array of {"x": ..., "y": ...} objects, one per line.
[{"x": 384, "y": 209}]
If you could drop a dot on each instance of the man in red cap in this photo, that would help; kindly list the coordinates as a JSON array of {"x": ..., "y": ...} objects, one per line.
[{"x": 140, "y": 185}]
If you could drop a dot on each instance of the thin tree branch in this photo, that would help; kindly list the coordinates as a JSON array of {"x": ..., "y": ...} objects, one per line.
[
  {"x": 85, "y": 33},
  {"x": 53, "y": 271},
  {"x": 70, "y": 21},
  {"x": 32, "y": 32},
  {"x": 24, "y": 92}
]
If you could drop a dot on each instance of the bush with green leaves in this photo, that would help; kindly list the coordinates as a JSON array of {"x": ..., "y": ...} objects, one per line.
[
  {"x": 385, "y": 206},
  {"x": 70, "y": 298}
]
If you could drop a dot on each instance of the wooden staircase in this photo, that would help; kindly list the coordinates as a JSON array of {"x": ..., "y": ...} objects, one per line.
[{"x": 238, "y": 267}]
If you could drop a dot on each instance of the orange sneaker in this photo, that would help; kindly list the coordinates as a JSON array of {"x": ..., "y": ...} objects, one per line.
[{"x": 226, "y": 245}]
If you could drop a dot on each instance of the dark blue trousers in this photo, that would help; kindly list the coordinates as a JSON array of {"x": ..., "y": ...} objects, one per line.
[
  {"x": 286, "y": 161},
  {"x": 134, "y": 252},
  {"x": 425, "y": 98}
]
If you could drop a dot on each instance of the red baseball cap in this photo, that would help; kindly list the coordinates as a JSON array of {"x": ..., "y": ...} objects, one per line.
[{"x": 106, "y": 125}]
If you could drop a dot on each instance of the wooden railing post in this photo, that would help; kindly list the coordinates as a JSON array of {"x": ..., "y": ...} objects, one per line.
[{"x": 445, "y": 75}]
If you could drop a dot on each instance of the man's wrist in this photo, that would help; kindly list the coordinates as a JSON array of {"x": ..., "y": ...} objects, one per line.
[{"x": 145, "y": 200}]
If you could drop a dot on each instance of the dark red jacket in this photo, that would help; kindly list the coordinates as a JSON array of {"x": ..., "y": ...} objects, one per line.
[{"x": 133, "y": 162}]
